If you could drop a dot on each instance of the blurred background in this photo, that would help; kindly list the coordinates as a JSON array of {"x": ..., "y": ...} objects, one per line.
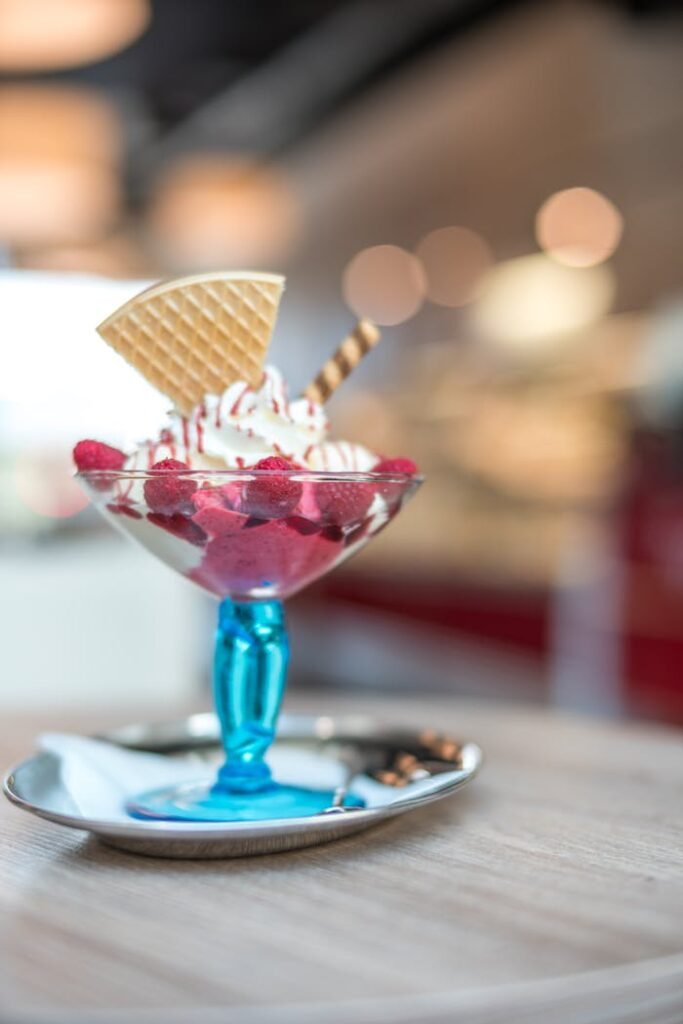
[{"x": 500, "y": 186}]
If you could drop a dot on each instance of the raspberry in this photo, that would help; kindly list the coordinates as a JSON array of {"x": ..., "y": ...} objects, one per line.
[
  {"x": 273, "y": 462},
  {"x": 231, "y": 494},
  {"x": 399, "y": 465},
  {"x": 274, "y": 496},
  {"x": 217, "y": 521},
  {"x": 96, "y": 455},
  {"x": 393, "y": 493},
  {"x": 169, "y": 493},
  {"x": 334, "y": 533},
  {"x": 180, "y": 526},
  {"x": 343, "y": 504},
  {"x": 303, "y": 526},
  {"x": 272, "y": 555},
  {"x": 208, "y": 497}
]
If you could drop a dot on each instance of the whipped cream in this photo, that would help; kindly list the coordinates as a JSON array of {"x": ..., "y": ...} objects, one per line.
[{"x": 244, "y": 424}]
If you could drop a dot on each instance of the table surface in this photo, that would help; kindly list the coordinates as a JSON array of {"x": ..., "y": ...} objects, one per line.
[{"x": 553, "y": 883}]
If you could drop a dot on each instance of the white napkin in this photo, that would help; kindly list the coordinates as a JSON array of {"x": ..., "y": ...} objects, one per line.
[{"x": 99, "y": 777}]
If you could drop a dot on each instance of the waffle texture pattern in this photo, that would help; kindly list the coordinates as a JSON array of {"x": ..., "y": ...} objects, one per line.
[{"x": 197, "y": 335}]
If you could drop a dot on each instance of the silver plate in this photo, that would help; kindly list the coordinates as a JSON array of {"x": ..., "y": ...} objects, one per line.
[{"x": 397, "y": 757}]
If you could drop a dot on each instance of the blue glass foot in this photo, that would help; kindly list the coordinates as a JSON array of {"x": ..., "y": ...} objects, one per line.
[
  {"x": 250, "y": 673},
  {"x": 205, "y": 802}
]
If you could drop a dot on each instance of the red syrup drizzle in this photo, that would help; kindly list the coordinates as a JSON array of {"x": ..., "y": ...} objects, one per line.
[
  {"x": 235, "y": 407},
  {"x": 201, "y": 414}
]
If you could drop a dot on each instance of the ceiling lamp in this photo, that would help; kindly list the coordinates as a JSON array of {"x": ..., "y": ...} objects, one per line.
[
  {"x": 213, "y": 209},
  {"x": 384, "y": 283},
  {"x": 46, "y": 35},
  {"x": 59, "y": 147},
  {"x": 579, "y": 227}
]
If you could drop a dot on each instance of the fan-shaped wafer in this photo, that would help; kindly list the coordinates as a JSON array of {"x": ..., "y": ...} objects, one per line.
[
  {"x": 196, "y": 335},
  {"x": 357, "y": 344}
]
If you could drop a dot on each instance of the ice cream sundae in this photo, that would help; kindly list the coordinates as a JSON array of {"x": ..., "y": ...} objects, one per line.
[
  {"x": 243, "y": 492},
  {"x": 270, "y": 526}
]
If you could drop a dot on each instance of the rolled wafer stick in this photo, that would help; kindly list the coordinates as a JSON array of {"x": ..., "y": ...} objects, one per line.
[{"x": 357, "y": 344}]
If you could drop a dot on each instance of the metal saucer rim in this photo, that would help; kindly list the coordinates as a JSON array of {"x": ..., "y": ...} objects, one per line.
[{"x": 184, "y": 832}]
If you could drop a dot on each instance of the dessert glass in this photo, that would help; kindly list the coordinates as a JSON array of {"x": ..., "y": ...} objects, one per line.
[{"x": 251, "y": 539}]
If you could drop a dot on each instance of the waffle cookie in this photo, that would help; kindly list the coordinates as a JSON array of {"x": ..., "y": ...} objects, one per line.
[{"x": 196, "y": 335}]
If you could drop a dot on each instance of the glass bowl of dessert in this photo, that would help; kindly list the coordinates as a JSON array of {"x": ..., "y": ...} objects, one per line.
[
  {"x": 250, "y": 539},
  {"x": 243, "y": 493}
]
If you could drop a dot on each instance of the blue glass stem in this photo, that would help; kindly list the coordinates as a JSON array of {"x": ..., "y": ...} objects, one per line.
[{"x": 250, "y": 674}]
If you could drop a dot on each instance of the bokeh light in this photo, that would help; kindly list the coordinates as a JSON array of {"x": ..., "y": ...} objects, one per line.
[
  {"x": 45, "y": 485},
  {"x": 59, "y": 147},
  {"x": 530, "y": 305},
  {"x": 213, "y": 209},
  {"x": 455, "y": 260},
  {"x": 579, "y": 227},
  {"x": 384, "y": 283},
  {"x": 76, "y": 201},
  {"x": 40, "y": 35},
  {"x": 58, "y": 122}
]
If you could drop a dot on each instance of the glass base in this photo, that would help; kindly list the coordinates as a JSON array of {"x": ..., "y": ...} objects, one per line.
[{"x": 206, "y": 802}]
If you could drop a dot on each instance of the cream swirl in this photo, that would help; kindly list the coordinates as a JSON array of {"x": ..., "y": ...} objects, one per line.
[
  {"x": 341, "y": 457},
  {"x": 244, "y": 424}
]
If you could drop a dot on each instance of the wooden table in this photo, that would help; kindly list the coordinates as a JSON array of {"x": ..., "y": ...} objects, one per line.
[{"x": 551, "y": 890}]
